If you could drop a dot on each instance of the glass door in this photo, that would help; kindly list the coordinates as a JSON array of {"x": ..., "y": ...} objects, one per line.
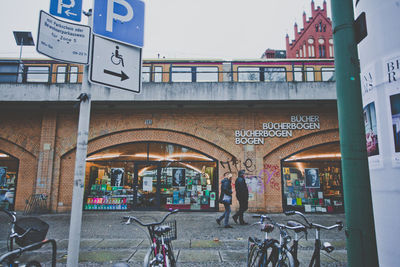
[{"x": 146, "y": 185}]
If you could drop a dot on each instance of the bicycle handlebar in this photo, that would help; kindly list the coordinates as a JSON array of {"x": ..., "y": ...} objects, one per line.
[
  {"x": 311, "y": 225},
  {"x": 11, "y": 214},
  {"x": 337, "y": 225},
  {"x": 17, "y": 252},
  {"x": 149, "y": 224}
]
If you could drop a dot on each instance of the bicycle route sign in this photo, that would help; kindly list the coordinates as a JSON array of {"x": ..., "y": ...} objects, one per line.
[
  {"x": 115, "y": 64},
  {"x": 68, "y": 9},
  {"x": 119, "y": 20},
  {"x": 62, "y": 40}
]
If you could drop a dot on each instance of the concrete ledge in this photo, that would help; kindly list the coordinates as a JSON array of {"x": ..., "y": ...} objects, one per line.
[{"x": 207, "y": 91}]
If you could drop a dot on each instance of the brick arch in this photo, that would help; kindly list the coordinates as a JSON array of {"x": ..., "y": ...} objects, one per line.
[
  {"x": 272, "y": 163},
  {"x": 138, "y": 135},
  {"x": 27, "y": 170}
]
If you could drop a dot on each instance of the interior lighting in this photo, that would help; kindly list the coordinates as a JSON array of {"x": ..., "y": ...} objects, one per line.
[
  {"x": 105, "y": 156},
  {"x": 293, "y": 158},
  {"x": 3, "y": 155},
  {"x": 186, "y": 155}
]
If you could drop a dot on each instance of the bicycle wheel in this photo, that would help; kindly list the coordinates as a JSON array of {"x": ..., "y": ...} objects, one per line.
[
  {"x": 261, "y": 257},
  {"x": 254, "y": 256},
  {"x": 149, "y": 259},
  {"x": 169, "y": 255},
  {"x": 33, "y": 264},
  {"x": 287, "y": 260}
]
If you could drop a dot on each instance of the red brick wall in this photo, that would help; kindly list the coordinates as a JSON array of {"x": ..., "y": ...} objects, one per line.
[{"x": 209, "y": 130}]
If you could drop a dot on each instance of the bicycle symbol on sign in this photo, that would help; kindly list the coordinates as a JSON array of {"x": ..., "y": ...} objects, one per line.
[{"x": 117, "y": 58}]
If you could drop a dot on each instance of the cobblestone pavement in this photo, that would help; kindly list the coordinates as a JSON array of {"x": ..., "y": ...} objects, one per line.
[{"x": 201, "y": 241}]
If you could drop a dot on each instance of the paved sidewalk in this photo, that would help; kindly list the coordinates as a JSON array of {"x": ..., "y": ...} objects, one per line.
[{"x": 201, "y": 241}]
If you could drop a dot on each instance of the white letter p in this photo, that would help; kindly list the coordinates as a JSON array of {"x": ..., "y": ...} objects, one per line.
[{"x": 111, "y": 15}]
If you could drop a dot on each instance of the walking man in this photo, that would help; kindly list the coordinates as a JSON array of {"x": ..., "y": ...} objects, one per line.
[
  {"x": 226, "y": 199},
  {"x": 242, "y": 195}
]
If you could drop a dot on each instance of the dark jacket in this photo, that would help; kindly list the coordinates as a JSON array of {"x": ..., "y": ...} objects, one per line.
[
  {"x": 242, "y": 193},
  {"x": 226, "y": 189}
]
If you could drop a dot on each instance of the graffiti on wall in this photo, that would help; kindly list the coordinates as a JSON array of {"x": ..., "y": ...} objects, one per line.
[{"x": 255, "y": 181}]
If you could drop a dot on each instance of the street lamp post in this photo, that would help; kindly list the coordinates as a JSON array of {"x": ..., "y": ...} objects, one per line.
[{"x": 22, "y": 39}]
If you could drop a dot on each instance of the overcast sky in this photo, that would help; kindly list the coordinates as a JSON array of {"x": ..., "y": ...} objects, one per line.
[{"x": 218, "y": 29}]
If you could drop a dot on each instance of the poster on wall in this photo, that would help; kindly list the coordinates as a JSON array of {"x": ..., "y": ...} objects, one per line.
[
  {"x": 371, "y": 130},
  {"x": 147, "y": 183},
  {"x": 178, "y": 177},
  {"x": 370, "y": 113},
  {"x": 117, "y": 176},
  {"x": 312, "y": 177},
  {"x": 395, "y": 121},
  {"x": 392, "y": 95},
  {"x": 3, "y": 176}
]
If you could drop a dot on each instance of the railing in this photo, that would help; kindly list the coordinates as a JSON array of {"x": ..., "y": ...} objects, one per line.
[{"x": 171, "y": 76}]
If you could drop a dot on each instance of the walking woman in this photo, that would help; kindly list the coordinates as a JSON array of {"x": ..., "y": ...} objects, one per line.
[{"x": 226, "y": 199}]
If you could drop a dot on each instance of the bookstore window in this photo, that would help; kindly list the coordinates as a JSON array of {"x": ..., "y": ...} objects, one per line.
[
  {"x": 8, "y": 180},
  {"x": 150, "y": 176},
  {"x": 312, "y": 180}
]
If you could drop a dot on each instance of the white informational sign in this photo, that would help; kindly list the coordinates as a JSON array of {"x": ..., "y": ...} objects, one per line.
[
  {"x": 115, "y": 65},
  {"x": 62, "y": 40},
  {"x": 147, "y": 183}
]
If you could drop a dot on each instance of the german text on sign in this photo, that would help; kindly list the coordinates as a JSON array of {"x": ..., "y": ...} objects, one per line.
[{"x": 63, "y": 40}]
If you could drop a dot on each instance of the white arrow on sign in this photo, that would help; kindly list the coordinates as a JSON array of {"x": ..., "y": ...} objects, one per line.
[{"x": 69, "y": 13}]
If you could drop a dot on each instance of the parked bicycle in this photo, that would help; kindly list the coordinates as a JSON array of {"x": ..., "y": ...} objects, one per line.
[
  {"x": 161, "y": 234},
  {"x": 29, "y": 234},
  {"x": 316, "y": 257},
  {"x": 269, "y": 251}
]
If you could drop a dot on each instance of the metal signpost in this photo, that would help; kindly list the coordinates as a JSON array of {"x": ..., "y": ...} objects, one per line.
[
  {"x": 115, "y": 64},
  {"x": 119, "y": 20},
  {"x": 63, "y": 40},
  {"x": 68, "y": 9}
]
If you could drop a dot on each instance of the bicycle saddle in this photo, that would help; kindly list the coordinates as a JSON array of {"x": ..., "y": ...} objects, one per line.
[
  {"x": 296, "y": 224},
  {"x": 159, "y": 230}
]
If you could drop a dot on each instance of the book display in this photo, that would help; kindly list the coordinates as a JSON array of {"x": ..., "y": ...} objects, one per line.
[
  {"x": 110, "y": 189},
  {"x": 185, "y": 188},
  {"x": 8, "y": 180},
  {"x": 312, "y": 186}
]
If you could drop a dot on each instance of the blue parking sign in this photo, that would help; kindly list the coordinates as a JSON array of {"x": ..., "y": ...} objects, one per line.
[
  {"x": 69, "y": 9},
  {"x": 120, "y": 20}
]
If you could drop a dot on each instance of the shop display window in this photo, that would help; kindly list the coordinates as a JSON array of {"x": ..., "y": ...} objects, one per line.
[
  {"x": 109, "y": 186},
  {"x": 150, "y": 175},
  {"x": 8, "y": 181},
  {"x": 314, "y": 186},
  {"x": 188, "y": 185}
]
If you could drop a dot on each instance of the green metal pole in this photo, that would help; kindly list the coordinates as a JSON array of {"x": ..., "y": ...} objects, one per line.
[{"x": 360, "y": 228}]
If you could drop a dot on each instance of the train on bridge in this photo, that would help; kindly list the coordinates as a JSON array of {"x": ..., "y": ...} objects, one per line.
[{"x": 179, "y": 70}]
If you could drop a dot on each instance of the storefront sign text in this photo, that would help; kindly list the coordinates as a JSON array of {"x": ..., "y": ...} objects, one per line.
[{"x": 277, "y": 129}]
